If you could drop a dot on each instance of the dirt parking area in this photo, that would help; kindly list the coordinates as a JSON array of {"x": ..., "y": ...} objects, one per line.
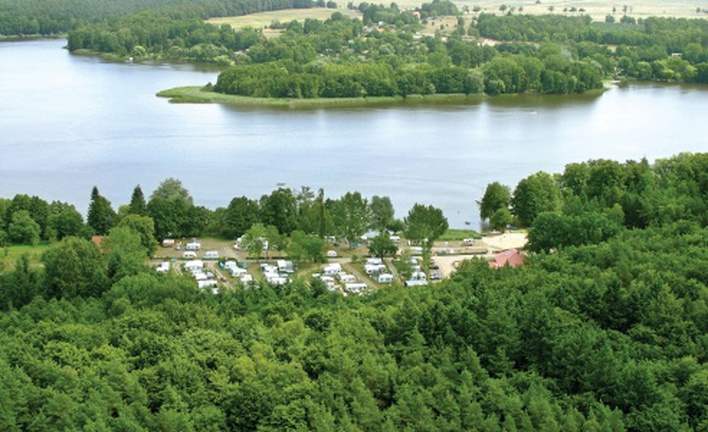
[{"x": 484, "y": 248}]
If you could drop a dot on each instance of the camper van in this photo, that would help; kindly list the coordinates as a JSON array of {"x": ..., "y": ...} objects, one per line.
[
  {"x": 193, "y": 246},
  {"x": 189, "y": 255},
  {"x": 211, "y": 255},
  {"x": 193, "y": 266},
  {"x": 385, "y": 278}
]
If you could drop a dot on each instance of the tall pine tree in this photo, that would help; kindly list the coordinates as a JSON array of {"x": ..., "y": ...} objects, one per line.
[
  {"x": 101, "y": 217},
  {"x": 138, "y": 205}
]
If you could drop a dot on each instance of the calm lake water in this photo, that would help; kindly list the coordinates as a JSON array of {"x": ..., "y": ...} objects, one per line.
[{"x": 68, "y": 123}]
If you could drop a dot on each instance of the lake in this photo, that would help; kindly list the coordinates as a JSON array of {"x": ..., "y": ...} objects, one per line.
[{"x": 70, "y": 122}]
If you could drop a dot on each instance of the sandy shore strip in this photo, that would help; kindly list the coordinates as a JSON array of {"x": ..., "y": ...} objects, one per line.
[{"x": 493, "y": 243}]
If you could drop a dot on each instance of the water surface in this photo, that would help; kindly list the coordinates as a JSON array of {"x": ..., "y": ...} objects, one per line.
[{"x": 70, "y": 122}]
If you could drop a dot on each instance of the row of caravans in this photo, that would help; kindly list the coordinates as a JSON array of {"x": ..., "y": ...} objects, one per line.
[
  {"x": 204, "y": 278},
  {"x": 209, "y": 255}
]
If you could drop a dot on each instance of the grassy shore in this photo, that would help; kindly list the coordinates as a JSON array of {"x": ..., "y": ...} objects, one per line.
[
  {"x": 193, "y": 94},
  {"x": 200, "y": 95}
]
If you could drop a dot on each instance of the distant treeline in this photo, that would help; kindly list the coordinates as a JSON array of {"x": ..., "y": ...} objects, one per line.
[
  {"x": 666, "y": 49},
  {"x": 388, "y": 39},
  {"x": 51, "y": 17}
]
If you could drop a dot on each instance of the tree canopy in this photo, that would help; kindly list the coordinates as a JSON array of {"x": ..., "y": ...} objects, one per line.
[{"x": 603, "y": 329}]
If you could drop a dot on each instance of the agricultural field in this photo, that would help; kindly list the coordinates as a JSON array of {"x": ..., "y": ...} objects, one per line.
[
  {"x": 265, "y": 19},
  {"x": 597, "y": 9}
]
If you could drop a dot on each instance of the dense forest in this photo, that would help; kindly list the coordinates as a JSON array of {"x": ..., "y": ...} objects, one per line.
[{"x": 605, "y": 328}]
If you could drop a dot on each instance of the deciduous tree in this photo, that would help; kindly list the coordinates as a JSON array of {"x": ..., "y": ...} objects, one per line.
[
  {"x": 496, "y": 196},
  {"x": 535, "y": 194},
  {"x": 424, "y": 224}
]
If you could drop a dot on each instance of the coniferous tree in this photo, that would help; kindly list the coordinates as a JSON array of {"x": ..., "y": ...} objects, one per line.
[
  {"x": 138, "y": 205},
  {"x": 101, "y": 216}
]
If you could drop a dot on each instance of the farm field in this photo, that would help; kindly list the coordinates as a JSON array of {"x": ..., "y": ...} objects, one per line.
[
  {"x": 265, "y": 19},
  {"x": 597, "y": 9}
]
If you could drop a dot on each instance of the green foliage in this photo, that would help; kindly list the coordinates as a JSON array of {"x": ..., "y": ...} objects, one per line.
[
  {"x": 74, "y": 267},
  {"x": 145, "y": 228},
  {"x": 382, "y": 246},
  {"x": 172, "y": 210},
  {"x": 171, "y": 189},
  {"x": 605, "y": 333},
  {"x": 125, "y": 252},
  {"x": 101, "y": 216},
  {"x": 553, "y": 231},
  {"x": 306, "y": 247},
  {"x": 137, "y": 205},
  {"x": 65, "y": 221},
  {"x": 533, "y": 195},
  {"x": 23, "y": 229},
  {"x": 382, "y": 212},
  {"x": 496, "y": 196},
  {"x": 279, "y": 209},
  {"x": 424, "y": 225},
  {"x": 501, "y": 219},
  {"x": 351, "y": 215},
  {"x": 241, "y": 214}
]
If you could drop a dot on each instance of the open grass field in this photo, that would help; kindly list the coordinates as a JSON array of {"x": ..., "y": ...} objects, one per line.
[
  {"x": 10, "y": 254},
  {"x": 597, "y": 9},
  {"x": 264, "y": 19}
]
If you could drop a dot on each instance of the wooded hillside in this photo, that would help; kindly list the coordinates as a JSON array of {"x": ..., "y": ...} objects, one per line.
[{"x": 606, "y": 334}]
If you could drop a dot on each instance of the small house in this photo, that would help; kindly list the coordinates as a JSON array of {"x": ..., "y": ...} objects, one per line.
[{"x": 511, "y": 258}]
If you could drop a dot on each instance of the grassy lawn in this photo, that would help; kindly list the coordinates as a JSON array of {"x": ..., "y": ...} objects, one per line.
[
  {"x": 195, "y": 94},
  {"x": 459, "y": 234},
  {"x": 10, "y": 254}
]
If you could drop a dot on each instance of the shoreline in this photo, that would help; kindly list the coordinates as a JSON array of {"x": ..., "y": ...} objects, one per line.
[{"x": 195, "y": 94}]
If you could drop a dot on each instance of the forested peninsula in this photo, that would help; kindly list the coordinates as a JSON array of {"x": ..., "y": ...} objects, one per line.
[
  {"x": 603, "y": 327},
  {"x": 376, "y": 51}
]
